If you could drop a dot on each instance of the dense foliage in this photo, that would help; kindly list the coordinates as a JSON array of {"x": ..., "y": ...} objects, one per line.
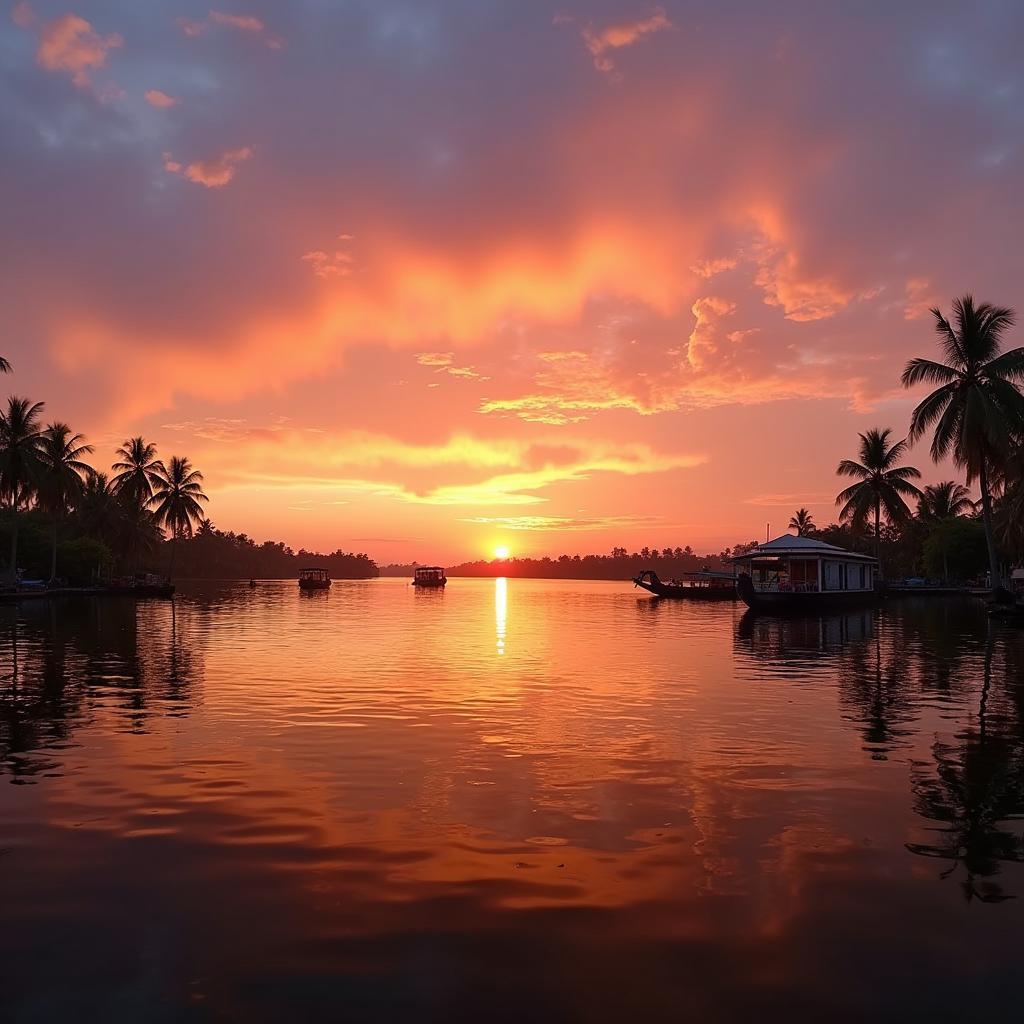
[{"x": 212, "y": 554}]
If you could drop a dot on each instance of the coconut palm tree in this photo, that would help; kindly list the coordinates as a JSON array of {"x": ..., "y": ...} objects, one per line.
[
  {"x": 803, "y": 523},
  {"x": 138, "y": 471},
  {"x": 61, "y": 475},
  {"x": 5, "y": 366},
  {"x": 176, "y": 500},
  {"x": 945, "y": 500},
  {"x": 882, "y": 484},
  {"x": 977, "y": 408},
  {"x": 99, "y": 511},
  {"x": 20, "y": 440}
]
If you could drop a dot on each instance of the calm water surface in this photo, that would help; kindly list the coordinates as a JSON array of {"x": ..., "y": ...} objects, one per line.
[{"x": 520, "y": 800}]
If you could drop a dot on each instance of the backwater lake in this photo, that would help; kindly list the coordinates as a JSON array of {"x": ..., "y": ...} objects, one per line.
[{"x": 509, "y": 800}]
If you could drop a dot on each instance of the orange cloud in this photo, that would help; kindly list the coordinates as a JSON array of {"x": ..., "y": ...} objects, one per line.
[
  {"x": 244, "y": 22},
  {"x": 158, "y": 98},
  {"x": 247, "y": 23},
  {"x": 921, "y": 298},
  {"x": 600, "y": 41},
  {"x": 70, "y": 44},
  {"x": 703, "y": 343},
  {"x": 215, "y": 173}
]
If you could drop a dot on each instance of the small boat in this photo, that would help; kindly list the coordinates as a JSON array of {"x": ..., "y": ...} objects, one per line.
[
  {"x": 801, "y": 574},
  {"x": 314, "y": 579},
  {"x": 705, "y": 585},
  {"x": 429, "y": 576}
]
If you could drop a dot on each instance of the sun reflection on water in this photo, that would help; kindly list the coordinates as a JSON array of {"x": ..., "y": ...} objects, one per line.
[{"x": 500, "y": 610}]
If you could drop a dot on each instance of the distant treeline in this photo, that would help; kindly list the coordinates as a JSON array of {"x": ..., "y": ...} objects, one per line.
[
  {"x": 619, "y": 565},
  {"x": 214, "y": 554}
]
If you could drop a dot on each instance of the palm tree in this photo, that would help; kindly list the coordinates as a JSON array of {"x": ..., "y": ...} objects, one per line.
[
  {"x": 946, "y": 500},
  {"x": 176, "y": 500},
  {"x": 883, "y": 485},
  {"x": 20, "y": 440},
  {"x": 61, "y": 476},
  {"x": 802, "y": 522},
  {"x": 977, "y": 408},
  {"x": 99, "y": 510},
  {"x": 5, "y": 366},
  {"x": 138, "y": 471}
]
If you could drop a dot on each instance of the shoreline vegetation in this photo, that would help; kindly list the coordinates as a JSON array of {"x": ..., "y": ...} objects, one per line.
[{"x": 64, "y": 522}]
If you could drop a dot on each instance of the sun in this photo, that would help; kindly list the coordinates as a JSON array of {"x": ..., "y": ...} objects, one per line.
[{"x": 501, "y": 552}]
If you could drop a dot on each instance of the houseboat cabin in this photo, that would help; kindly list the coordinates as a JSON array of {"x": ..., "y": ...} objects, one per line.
[
  {"x": 803, "y": 573},
  {"x": 429, "y": 576},
  {"x": 314, "y": 579}
]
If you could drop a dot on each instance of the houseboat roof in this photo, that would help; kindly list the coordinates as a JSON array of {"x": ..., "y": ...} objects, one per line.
[
  {"x": 429, "y": 568},
  {"x": 788, "y": 545}
]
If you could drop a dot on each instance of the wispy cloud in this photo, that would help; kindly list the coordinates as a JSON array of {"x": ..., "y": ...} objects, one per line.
[
  {"x": 213, "y": 173},
  {"x": 247, "y": 24},
  {"x": 602, "y": 41},
  {"x": 158, "y": 98}
]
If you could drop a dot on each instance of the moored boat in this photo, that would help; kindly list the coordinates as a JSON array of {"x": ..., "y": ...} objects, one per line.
[
  {"x": 429, "y": 576},
  {"x": 694, "y": 586},
  {"x": 314, "y": 579},
  {"x": 804, "y": 574}
]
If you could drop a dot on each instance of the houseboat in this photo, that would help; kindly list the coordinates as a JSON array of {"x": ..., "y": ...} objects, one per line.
[
  {"x": 803, "y": 574},
  {"x": 694, "y": 586},
  {"x": 314, "y": 579},
  {"x": 429, "y": 576}
]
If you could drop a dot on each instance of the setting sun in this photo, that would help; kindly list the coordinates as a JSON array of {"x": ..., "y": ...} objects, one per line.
[{"x": 501, "y": 552}]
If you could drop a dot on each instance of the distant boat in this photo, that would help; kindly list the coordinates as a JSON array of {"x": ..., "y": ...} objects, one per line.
[
  {"x": 803, "y": 574},
  {"x": 429, "y": 576},
  {"x": 314, "y": 579},
  {"x": 695, "y": 586}
]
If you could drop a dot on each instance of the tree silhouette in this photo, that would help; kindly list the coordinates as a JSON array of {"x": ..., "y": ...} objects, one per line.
[
  {"x": 176, "y": 500},
  {"x": 977, "y": 408},
  {"x": 20, "y": 440},
  {"x": 60, "y": 478},
  {"x": 883, "y": 484},
  {"x": 802, "y": 522}
]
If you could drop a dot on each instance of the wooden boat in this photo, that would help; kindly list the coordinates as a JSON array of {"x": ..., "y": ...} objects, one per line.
[
  {"x": 801, "y": 574},
  {"x": 314, "y": 579},
  {"x": 429, "y": 576},
  {"x": 695, "y": 586}
]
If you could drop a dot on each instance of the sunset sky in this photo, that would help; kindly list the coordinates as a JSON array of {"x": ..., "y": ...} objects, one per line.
[{"x": 422, "y": 278}]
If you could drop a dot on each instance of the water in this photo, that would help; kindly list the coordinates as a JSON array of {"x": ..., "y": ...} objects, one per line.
[{"x": 521, "y": 800}]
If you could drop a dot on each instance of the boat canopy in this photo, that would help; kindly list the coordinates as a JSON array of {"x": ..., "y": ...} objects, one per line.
[
  {"x": 314, "y": 574},
  {"x": 429, "y": 572}
]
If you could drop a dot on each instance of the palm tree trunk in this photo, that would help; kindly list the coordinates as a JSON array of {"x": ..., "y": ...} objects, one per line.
[
  {"x": 14, "y": 547},
  {"x": 878, "y": 534},
  {"x": 986, "y": 517},
  {"x": 174, "y": 547},
  {"x": 53, "y": 551}
]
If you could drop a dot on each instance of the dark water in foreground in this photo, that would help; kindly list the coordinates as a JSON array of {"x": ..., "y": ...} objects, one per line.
[{"x": 514, "y": 801}]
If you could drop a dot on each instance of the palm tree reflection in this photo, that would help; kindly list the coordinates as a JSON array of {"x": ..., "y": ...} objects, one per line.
[
  {"x": 975, "y": 791},
  {"x": 72, "y": 663}
]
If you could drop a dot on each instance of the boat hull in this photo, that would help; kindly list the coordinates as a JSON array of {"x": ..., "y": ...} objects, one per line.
[
  {"x": 785, "y": 603},
  {"x": 314, "y": 584},
  {"x": 677, "y": 592},
  {"x": 437, "y": 585}
]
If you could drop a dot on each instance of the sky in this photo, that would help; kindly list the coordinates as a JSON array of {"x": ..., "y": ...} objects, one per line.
[{"x": 422, "y": 278}]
